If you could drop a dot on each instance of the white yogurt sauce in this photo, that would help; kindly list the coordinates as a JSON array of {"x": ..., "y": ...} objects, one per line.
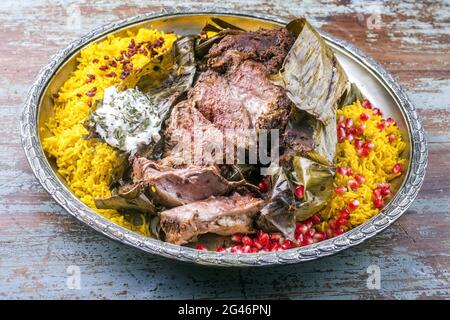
[{"x": 126, "y": 119}]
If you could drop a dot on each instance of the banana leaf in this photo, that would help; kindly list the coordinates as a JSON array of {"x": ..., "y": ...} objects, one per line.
[
  {"x": 127, "y": 198},
  {"x": 311, "y": 74}
]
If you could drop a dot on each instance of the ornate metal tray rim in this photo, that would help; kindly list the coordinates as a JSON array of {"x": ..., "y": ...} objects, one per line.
[{"x": 397, "y": 206}]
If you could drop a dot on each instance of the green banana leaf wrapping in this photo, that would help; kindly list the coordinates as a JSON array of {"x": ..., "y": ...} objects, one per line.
[{"x": 317, "y": 85}]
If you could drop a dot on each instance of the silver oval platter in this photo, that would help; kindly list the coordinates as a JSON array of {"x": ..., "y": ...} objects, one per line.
[{"x": 375, "y": 82}]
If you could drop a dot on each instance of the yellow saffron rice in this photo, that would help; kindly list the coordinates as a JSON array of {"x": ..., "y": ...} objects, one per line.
[
  {"x": 376, "y": 167},
  {"x": 89, "y": 166}
]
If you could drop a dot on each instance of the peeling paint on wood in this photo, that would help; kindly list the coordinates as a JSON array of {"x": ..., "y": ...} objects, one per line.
[{"x": 39, "y": 241}]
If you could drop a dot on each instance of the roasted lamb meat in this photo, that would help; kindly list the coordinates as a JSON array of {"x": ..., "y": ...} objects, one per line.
[
  {"x": 175, "y": 187},
  {"x": 219, "y": 215}
]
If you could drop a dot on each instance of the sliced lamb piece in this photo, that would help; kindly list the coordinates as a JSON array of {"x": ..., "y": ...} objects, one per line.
[
  {"x": 175, "y": 187},
  {"x": 219, "y": 215},
  {"x": 269, "y": 47},
  {"x": 244, "y": 98}
]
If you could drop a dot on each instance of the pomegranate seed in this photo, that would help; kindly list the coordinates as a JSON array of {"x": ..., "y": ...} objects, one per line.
[
  {"x": 389, "y": 121},
  {"x": 386, "y": 192},
  {"x": 247, "y": 241},
  {"x": 353, "y": 184},
  {"x": 349, "y": 123},
  {"x": 332, "y": 223},
  {"x": 377, "y": 111},
  {"x": 359, "y": 144},
  {"x": 264, "y": 250},
  {"x": 391, "y": 137},
  {"x": 369, "y": 145},
  {"x": 329, "y": 233},
  {"x": 263, "y": 238},
  {"x": 275, "y": 236},
  {"x": 299, "y": 238},
  {"x": 342, "y": 222},
  {"x": 236, "y": 249},
  {"x": 352, "y": 206},
  {"x": 364, "y": 116},
  {"x": 341, "y": 170},
  {"x": 341, "y": 118},
  {"x": 262, "y": 187},
  {"x": 301, "y": 228},
  {"x": 287, "y": 244},
  {"x": 341, "y": 125},
  {"x": 220, "y": 249},
  {"x": 360, "y": 178},
  {"x": 103, "y": 68},
  {"x": 340, "y": 190},
  {"x": 344, "y": 214},
  {"x": 237, "y": 237},
  {"x": 275, "y": 247},
  {"x": 338, "y": 232},
  {"x": 349, "y": 172},
  {"x": 255, "y": 250},
  {"x": 341, "y": 134},
  {"x": 351, "y": 131},
  {"x": 350, "y": 137},
  {"x": 378, "y": 203},
  {"x": 257, "y": 244},
  {"x": 366, "y": 104},
  {"x": 363, "y": 152},
  {"x": 397, "y": 168},
  {"x": 384, "y": 185},
  {"x": 315, "y": 218},
  {"x": 299, "y": 192},
  {"x": 311, "y": 232},
  {"x": 92, "y": 92},
  {"x": 247, "y": 249},
  {"x": 377, "y": 193},
  {"x": 381, "y": 125},
  {"x": 319, "y": 236},
  {"x": 360, "y": 129},
  {"x": 201, "y": 247},
  {"x": 307, "y": 240}
]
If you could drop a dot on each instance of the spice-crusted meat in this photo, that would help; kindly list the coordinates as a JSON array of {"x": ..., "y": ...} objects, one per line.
[
  {"x": 219, "y": 215},
  {"x": 268, "y": 47}
]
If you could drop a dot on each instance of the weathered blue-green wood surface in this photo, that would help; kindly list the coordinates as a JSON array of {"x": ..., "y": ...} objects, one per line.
[{"x": 39, "y": 241}]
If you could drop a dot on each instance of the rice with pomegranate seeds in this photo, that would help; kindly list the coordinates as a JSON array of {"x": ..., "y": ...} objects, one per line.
[
  {"x": 367, "y": 159},
  {"x": 90, "y": 166}
]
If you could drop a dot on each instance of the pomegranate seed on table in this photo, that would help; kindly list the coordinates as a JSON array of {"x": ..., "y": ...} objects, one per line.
[
  {"x": 255, "y": 250},
  {"x": 275, "y": 247},
  {"x": 237, "y": 237},
  {"x": 299, "y": 192},
  {"x": 299, "y": 238},
  {"x": 311, "y": 232},
  {"x": 360, "y": 178},
  {"x": 378, "y": 203},
  {"x": 353, "y": 184},
  {"x": 332, "y": 223},
  {"x": 220, "y": 249},
  {"x": 262, "y": 187},
  {"x": 342, "y": 222},
  {"x": 366, "y": 104},
  {"x": 389, "y": 121},
  {"x": 340, "y": 190},
  {"x": 307, "y": 240},
  {"x": 352, "y": 206},
  {"x": 349, "y": 123},
  {"x": 391, "y": 137},
  {"x": 349, "y": 172},
  {"x": 386, "y": 192},
  {"x": 329, "y": 232},
  {"x": 351, "y": 131},
  {"x": 247, "y": 241},
  {"x": 200, "y": 247},
  {"x": 397, "y": 168},
  {"x": 341, "y": 134},
  {"x": 338, "y": 232},
  {"x": 381, "y": 125},
  {"x": 377, "y": 193},
  {"x": 364, "y": 116},
  {"x": 247, "y": 249}
]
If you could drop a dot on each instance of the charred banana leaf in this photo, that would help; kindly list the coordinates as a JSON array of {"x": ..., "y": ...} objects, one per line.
[{"x": 132, "y": 197}]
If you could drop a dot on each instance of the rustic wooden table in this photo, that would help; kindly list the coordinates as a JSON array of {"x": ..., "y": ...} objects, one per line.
[{"x": 39, "y": 241}]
